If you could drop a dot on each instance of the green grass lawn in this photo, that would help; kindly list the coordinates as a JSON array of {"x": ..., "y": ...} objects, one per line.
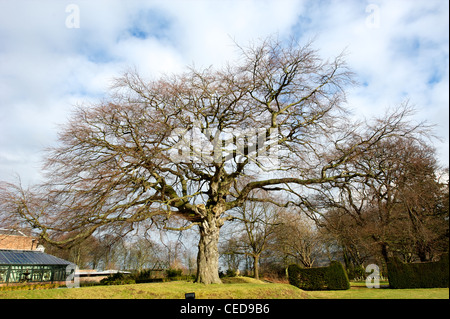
[
  {"x": 382, "y": 293},
  {"x": 233, "y": 288},
  {"x": 358, "y": 290}
]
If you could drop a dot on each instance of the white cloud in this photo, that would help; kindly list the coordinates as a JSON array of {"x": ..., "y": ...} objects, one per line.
[
  {"x": 46, "y": 67},
  {"x": 405, "y": 57}
]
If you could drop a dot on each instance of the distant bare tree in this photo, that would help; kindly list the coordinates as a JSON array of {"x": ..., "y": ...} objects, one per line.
[
  {"x": 297, "y": 237},
  {"x": 258, "y": 224},
  {"x": 141, "y": 253}
]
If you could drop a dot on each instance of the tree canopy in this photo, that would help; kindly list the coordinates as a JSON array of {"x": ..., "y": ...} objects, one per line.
[{"x": 194, "y": 146}]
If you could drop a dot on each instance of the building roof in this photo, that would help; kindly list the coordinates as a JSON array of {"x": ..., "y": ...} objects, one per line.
[
  {"x": 29, "y": 257},
  {"x": 93, "y": 273}
]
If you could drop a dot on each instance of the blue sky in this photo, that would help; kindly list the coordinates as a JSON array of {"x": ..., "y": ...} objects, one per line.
[{"x": 397, "y": 48}]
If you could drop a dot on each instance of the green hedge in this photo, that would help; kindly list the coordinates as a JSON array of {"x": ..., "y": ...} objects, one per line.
[
  {"x": 333, "y": 277},
  {"x": 117, "y": 279},
  {"x": 420, "y": 275}
]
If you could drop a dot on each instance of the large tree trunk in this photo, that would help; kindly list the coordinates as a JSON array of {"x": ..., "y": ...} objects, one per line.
[
  {"x": 423, "y": 250},
  {"x": 208, "y": 252},
  {"x": 256, "y": 266},
  {"x": 385, "y": 251}
]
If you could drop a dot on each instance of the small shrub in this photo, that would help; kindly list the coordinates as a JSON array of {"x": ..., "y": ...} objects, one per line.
[
  {"x": 231, "y": 272},
  {"x": 173, "y": 273},
  {"x": 337, "y": 278},
  {"x": 117, "y": 279},
  {"x": 333, "y": 277},
  {"x": 144, "y": 276}
]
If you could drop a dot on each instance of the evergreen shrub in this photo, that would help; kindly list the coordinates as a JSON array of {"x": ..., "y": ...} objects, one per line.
[
  {"x": 117, "y": 279},
  {"x": 333, "y": 277},
  {"x": 418, "y": 275},
  {"x": 145, "y": 276}
]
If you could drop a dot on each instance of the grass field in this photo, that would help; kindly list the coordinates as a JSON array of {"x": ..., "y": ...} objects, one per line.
[
  {"x": 233, "y": 288},
  {"x": 366, "y": 293}
]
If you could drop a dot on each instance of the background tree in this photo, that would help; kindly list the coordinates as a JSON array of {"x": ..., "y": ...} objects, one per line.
[
  {"x": 141, "y": 253},
  {"x": 277, "y": 116},
  {"x": 231, "y": 252},
  {"x": 398, "y": 210},
  {"x": 297, "y": 238},
  {"x": 258, "y": 221}
]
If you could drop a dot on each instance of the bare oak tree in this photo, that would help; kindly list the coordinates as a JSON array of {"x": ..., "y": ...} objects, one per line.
[
  {"x": 258, "y": 221},
  {"x": 297, "y": 238},
  {"x": 184, "y": 146}
]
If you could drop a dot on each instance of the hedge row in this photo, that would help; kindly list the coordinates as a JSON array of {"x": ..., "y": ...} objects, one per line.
[
  {"x": 420, "y": 275},
  {"x": 143, "y": 276},
  {"x": 333, "y": 277}
]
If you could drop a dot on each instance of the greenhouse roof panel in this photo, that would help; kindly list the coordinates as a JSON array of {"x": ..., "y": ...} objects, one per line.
[{"x": 29, "y": 257}]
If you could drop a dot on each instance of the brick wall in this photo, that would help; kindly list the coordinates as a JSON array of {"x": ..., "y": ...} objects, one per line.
[{"x": 17, "y": 242}]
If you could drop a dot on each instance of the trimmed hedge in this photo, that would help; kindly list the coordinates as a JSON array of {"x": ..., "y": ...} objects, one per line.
[
  {"x": 333, "y": 277},
  {"x": 117, "y": 279},
  {"x": 420, "y": 275}
]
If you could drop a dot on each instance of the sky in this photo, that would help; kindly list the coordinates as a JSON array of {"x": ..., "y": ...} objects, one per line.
[{"x": 57, "y": 54}]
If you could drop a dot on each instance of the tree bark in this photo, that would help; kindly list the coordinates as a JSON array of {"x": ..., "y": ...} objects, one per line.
[
  {"x": 385, "y": 251},
  {"x": 256, "y": 266},
  {"x": 208, "y": 252}
]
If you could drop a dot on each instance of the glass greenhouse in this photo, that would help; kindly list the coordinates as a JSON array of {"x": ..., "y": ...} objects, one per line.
[{"x": 28, "y": 266}]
